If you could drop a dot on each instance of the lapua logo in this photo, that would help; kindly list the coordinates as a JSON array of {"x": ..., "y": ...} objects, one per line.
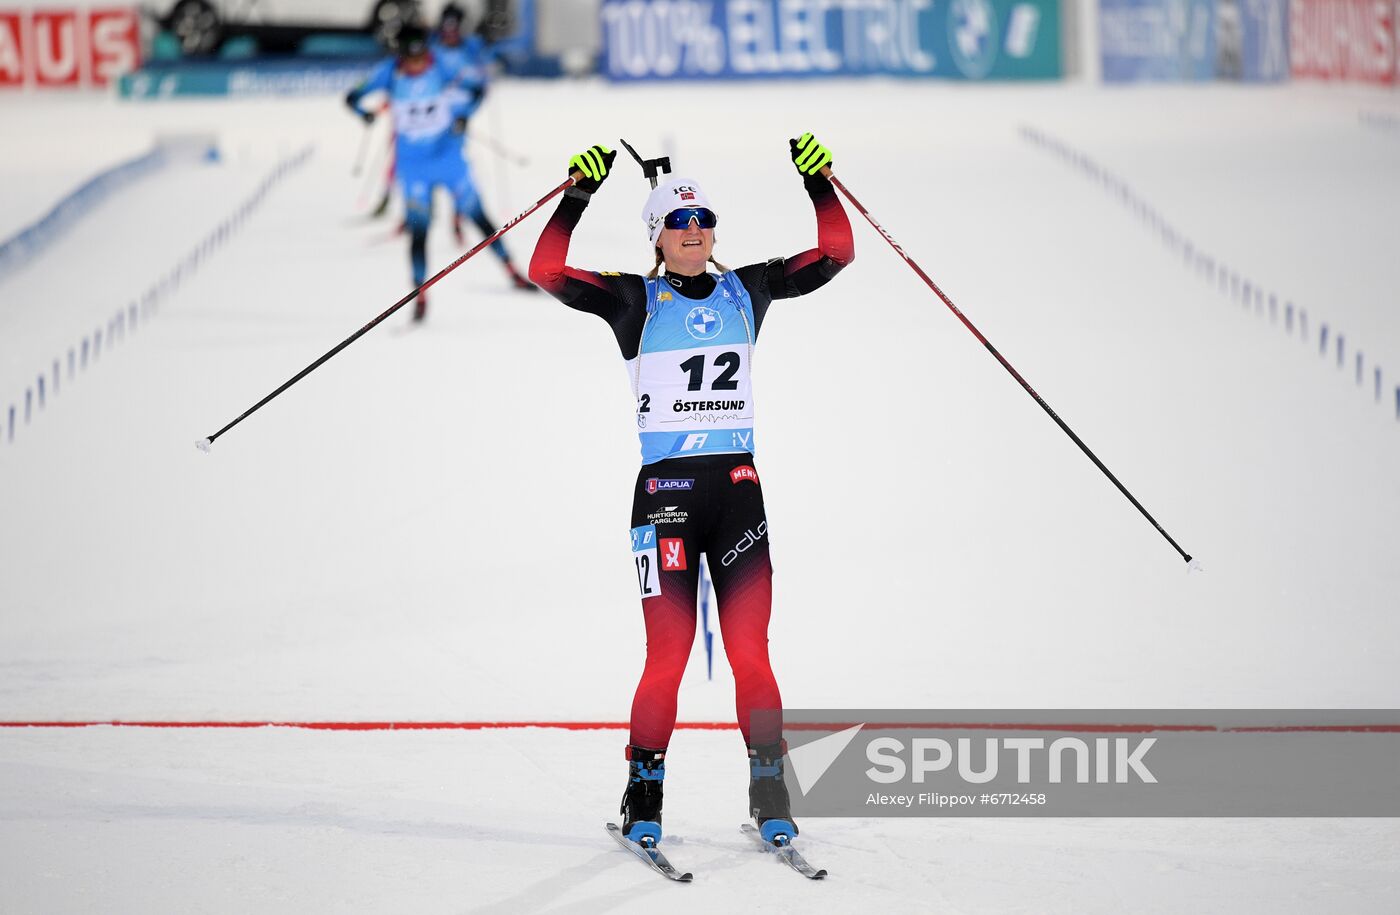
[{"x": 655, "y": 485}]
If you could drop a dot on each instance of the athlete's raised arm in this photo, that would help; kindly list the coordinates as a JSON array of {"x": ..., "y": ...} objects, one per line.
[
  {"x": 618, "y": 298},
  {"x": 786, "y": 277}
]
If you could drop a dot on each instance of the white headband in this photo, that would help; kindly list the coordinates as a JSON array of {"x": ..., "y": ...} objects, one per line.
[{"x": 671, "y": 194}]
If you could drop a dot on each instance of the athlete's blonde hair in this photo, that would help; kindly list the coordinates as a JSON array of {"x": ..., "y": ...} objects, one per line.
[{"x": 660, "y": 259}]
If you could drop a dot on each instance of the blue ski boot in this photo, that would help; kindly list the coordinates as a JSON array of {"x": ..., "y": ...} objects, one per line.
[
  {"x": 768, "y": 794},
  {"x": 641, "y": 803}
]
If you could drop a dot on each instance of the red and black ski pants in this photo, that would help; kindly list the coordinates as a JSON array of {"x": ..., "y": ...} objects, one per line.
[{"x": 682, "y": 507}]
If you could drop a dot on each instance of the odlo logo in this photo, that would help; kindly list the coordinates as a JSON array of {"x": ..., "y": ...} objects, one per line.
[{"x": 746, "y": 542}]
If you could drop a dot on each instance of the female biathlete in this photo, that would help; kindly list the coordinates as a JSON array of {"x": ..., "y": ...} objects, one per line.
[{"x": 688, "y": 338}]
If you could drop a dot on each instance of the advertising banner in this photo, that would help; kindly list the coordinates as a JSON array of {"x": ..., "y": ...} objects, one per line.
[
  {"x": 1351, "y": 40},
  {"x": 246, "y": 78},
  {"x": 67, "y": 47},
  {"x": 1251, "y": 40},
  {"x": 1157, "y": 39},
  {"x": 754, "y": 39}
]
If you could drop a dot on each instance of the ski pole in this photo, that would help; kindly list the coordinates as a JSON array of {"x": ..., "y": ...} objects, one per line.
[
  {"x": 204, "y": 443},
  {"x": 364, "y": 143},
  {"x": 505, "y": 152},
  {"x": 368, "y": 185},
  {"x": 1006, "y": 365},
  {"x": 360, "y": 155},
  {"x": 383, "y": 206}
]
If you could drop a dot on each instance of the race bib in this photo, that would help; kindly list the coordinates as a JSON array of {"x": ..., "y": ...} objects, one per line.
[
  {"x": 421, "y": 118},
  {"x": 644, "y": 558}
]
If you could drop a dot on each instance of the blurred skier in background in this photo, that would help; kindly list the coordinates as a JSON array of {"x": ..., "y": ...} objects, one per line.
[
  {"x": 430, "y": 106},
  {"x": 688, "y": 336},
  {"x": 458, "y": 51},
  {"x": 469, "y": 57}
]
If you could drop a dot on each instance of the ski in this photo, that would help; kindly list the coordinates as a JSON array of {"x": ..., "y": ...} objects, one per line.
[
  {"x": 651, "y": 855},
  {"x": 782, "y": 847}
]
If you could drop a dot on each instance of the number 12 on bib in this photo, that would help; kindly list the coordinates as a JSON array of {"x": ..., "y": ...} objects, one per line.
[{"x": 644, "y": 557}]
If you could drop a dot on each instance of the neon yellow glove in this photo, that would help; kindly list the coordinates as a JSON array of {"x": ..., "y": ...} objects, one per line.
[
  {"x": 594, "y": 162},
  {"x": 808, "y": 155}
]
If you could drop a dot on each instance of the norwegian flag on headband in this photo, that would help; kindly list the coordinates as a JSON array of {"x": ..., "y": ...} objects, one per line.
[{"x": 674, "y": 192}]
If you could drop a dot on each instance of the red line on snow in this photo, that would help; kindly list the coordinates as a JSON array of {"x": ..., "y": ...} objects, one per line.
[
  {"x": 1083, "y": 728},
  {"x": 1319, "y": 728},
  {"x": 1076, "y": 728},
  {"x": 362, "y": 725}
]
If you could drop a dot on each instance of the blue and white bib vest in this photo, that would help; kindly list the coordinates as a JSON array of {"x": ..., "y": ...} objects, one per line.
[
  {"x": 691, "y": 373},
  {"x": 423, "y": 108}
]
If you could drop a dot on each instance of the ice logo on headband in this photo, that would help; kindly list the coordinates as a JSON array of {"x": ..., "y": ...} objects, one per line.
[{"x": 703, "y": 322}]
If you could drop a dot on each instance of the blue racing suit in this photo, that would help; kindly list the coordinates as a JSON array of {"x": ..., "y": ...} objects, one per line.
[{"x": 430, "y": 110}]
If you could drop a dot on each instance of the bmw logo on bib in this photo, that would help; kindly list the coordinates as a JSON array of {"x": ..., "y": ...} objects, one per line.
[{"x": 703, "y": 322}]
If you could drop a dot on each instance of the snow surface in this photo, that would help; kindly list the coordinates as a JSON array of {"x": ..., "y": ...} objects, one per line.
[{"x": 398, "y": 537}]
